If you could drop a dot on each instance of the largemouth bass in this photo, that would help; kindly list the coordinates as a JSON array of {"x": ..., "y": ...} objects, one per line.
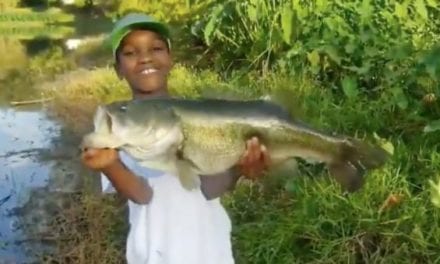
[{"x": 205, "y": 137}]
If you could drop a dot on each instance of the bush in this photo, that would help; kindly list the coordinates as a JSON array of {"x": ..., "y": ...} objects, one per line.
[{"x": 355, "y": 47}]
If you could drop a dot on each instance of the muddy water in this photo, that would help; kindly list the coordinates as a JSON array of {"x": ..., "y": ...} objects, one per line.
[
  {"x": 39, "y": 166},
  {"x": 24, "y": 134}
]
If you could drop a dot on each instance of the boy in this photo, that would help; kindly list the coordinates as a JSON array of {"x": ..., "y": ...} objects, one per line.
[{"x": 168, "y": 224}]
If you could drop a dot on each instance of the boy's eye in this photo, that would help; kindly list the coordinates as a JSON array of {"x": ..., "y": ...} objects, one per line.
[
  {"x": 158, "y": 48},
  {"x": 128, "y": 53}
]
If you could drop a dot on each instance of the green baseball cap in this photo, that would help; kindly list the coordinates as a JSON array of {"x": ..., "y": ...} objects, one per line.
[{"x": 126, "y": 23}]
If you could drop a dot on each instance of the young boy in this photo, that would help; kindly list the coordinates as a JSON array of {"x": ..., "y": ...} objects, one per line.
[{"x": 168, "y": 224}]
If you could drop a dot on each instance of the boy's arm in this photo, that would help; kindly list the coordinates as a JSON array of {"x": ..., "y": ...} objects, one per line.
[
  {"x": 123, "y": 180},
  {"x": 214, "y": 186},
  {"x": 252, "y": 164},
  {"x": 128, "y": 184}
]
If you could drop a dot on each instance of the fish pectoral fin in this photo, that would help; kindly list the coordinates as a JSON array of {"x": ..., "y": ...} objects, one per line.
[
  {"x": 349, "y": 176},
  {"x": 102, "y": 121},
  {"x": 187, "y": 175}
]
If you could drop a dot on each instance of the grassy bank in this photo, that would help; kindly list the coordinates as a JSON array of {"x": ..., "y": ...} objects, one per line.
[{"x": 285, "y": 219}]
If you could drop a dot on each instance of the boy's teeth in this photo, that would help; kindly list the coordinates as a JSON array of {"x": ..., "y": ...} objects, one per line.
[{"x": 147, "y": 71}]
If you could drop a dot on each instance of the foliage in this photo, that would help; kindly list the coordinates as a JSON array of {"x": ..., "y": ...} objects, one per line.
[
  {"x": 106, "y": 5},
  {"x": 28, "y": 16},
  {"x": 354, "y": 46},
  {"x": 48, "y": 64},
  {"x": 93, "y": 52},
  {"x": 165, "y": 10},
  {"x": 13, "y": 56},
  {"x": 7, "y": 4},
  {"x": 306, "y": 219}
]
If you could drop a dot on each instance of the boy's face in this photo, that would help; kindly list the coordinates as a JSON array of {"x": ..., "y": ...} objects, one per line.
[{"x": 144, "y": 61}]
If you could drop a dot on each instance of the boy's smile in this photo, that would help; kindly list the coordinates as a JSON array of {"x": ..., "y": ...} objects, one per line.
[{"x": 144, "y": 60}]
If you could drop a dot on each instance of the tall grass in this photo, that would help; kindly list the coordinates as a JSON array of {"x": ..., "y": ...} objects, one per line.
[{"x": 13, "y": 56}]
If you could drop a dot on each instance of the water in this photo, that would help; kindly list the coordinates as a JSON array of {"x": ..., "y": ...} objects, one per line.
[
  {"x": 23, "y": 135},
  {"x": 38, "y": 161}
]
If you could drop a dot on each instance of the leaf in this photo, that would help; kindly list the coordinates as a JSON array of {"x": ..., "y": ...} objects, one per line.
[
  {"x": 366, "y": 9},
  {"x": 350, "y": 48},
  {"x": 432, "y": 126},
  {"x": 287, "y": 23},
  {"x": 252, "y": 13},
  {"x": 321, "y": 5},
  {"x": 401, "y": 10},
  {"x": 350, "y": 87},
  {"x": 301, "y": 12},
  {"x": 432, "y": 3},
  {"x": 313, "y": 58},
  {"x": 421, "y": 8},
  {"x": 365, "y": 69},
  {"x": 435, "y": 192},
  {"x": 400, "y": 97},
  {"x": 385, "y": 144},
  {"x": 333, "y": 53},
  {"x": 211, "y": 25},
  {"x": 388, "y": 147}
]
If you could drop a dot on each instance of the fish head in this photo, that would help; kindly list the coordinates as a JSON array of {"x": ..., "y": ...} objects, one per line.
[
  {"x": 102, "y": 136},
  {"x": 143, "y": 129}
]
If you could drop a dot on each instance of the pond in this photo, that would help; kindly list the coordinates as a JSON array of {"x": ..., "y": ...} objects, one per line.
[{"x": 38, "y": 159}]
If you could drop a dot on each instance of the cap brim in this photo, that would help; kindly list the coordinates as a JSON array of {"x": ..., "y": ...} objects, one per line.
[{"x": 117, "y": 36}]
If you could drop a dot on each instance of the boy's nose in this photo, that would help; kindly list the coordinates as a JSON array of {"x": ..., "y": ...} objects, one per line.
[{"x": 145, "y": 57}]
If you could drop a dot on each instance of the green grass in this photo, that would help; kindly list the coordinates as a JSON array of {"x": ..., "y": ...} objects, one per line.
[{"x": 287, "y": 219}]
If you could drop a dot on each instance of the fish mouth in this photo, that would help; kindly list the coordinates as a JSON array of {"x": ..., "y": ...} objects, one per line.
[{"x": 102, "y": 136}]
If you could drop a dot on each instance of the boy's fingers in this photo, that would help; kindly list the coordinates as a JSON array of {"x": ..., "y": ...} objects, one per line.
[
  {"x": 89, "y": 153},
  {"x": 244, "y": 157},
  {"x": 254, "y": 150}
]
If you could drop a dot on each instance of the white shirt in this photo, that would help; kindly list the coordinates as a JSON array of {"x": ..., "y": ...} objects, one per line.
[{"x": 177, "y": 226}]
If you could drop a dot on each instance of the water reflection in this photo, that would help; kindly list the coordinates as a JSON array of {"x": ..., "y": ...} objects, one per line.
[{"x": 40, "y": 172}]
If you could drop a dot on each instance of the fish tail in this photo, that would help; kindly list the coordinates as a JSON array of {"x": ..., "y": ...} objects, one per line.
[{"x": 355, "y": 158}]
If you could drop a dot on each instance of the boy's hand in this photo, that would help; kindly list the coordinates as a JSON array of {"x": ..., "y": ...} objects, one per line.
[
  {"x": 99, "y": 159},
  {"x": 255, "y": 159}
]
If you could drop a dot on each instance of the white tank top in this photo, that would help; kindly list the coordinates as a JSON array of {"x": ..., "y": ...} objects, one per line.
[{"x": 177, "y": 226}]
